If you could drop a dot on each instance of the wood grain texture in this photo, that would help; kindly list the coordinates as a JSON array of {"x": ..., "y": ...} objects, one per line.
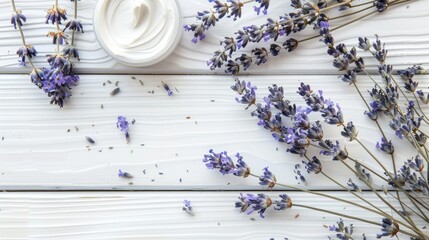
[
  {"x": 159, "y": 215},
  {"x": 403, "y": 28},
  {"x": 41, "y": 148}
]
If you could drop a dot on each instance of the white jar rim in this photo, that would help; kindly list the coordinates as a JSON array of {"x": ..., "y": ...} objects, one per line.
[{"x": 138, "y": 33}]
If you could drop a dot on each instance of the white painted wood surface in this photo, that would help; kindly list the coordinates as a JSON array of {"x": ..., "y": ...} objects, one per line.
[
  {"x": 176, "y": 132},
  {"x": 403, "y": 28},
  {"x": 159, "y": 215},
  {"x": 171, "y": 134}
]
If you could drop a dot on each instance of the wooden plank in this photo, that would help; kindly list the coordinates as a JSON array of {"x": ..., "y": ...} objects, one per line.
[
  {"x": 159, "y": 215},
  {"x": 41, "y": 148},
  {"x": 403, "y": 28}
]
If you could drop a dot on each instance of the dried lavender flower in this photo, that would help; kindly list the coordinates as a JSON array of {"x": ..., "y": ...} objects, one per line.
[
  {"x": 259, "y": 202},
  {"x": 225, "y": 164},
  {"x": 26, "y": 51},
  {"x": 187, "y": 207},
  {"x": 350, "y": 131},
  {"x": 124, "y": 174},
  {"x": 74, "y": 25},
  {"x": 122, "y": 124},
  {"x": 56, "y": 15},
  {"x": 388, "y": 228},
  {"x": 217, "y": 60},
  {"x": 71, "y": 51},
  {"x": 343, "y": 232},
  {"x": 284, "y": 203},
  {"x": 333, "y": 150},
  {"x": 198, "y": 30},
  {"x": 267, "y": 179},
  {"x": 263, "y": 5},
  {"x": 385, "y": 146},
  {"x": 381, "y": 5},
  {"x": 313, "y": 166},
  {"x": 416, "y": 163},
  {"x": 364, "y": 43},
  {"x": 261, "y": 55},
  {"x": 167, "y": 88},
  {"x": 422, "y": 97},
  {"x": 332, "y": 115},
  {"x": 245, "y": 61},
  {"x": 57, "y": 37},
  {"x": 17, "y": 18}
]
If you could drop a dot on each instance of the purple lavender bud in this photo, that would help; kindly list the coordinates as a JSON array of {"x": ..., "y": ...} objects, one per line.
[
  {"x": 258, "y": 203},
  {"x": 364, "y": 43},
  {"x": 290, "y": 44},
  {"x": 313, "y": 166},
  {"x": 388, "y": 228},
  {"x": 222, "y": 8},
  {"x": 350, "y": 131},
  {"x": 57, "y": 61},
  {"x": 26, "y": 51},
  {"x": 275, "y": 49},
  {"x": 245, "y": 61},
  {"x": 422, "y": 97},
  {"x": 332, "y": 115},
  {"x": 416, "y": 163},
  {"x": 349, "y": 77},
  {"x": 333, "y": 150},
  {"x": 235, "y": 9},
  {"x": 187, "y": 207},
  {"x": 242, "y": 38},
  {"x": 239, "y": 86},
  {"x": 217, "y": 60},
  {"x": 74, "y": 25},
  {"x": 122, "y": 124},
  {"x": 56, "y": 15},
  {"x": 198, "y": 30},
  {"x": 341, "y": 63},
  {"x": 71, "y": 51},
  {"x": 315, "y": 132},
  {"x": 124, "y": 174},
  {"x": 57, "y": 37},
  {"x": 267, "y": 179},
  {"x": 17, "y": 18},
  {"x": 229, "y": 45},
  {"x": 167, "y": 88},
  {"x": 232, "y": 67},
  {"x": 381, "y": 5},
  {"x": 296, "y": 3},
  {"x": 208, "y": 18},
  {"x": 385, "y": 146},
  {"x": 263, "y": 5},
  {"x": 284, "y": 203},
  {"x": 261, "y": 55}
]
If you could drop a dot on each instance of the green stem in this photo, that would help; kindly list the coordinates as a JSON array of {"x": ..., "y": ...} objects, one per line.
[
  {"x": 391, "y": 177},
  {"x": 369, "y": 169},
  {"x": 21, "y": 33},
  {"x": 334, "y": 198},
  {"x": 352, "y": 13},
  {"x": 413, "y": 226},
  {"x": 351, "y": 217},
  {"x": 356, "y": 195},
  {"x": 57, "y": 27}
]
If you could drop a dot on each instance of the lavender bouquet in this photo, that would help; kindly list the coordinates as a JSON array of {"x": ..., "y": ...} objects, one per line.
[
  {"x": 59, "y": 76},
  {"x": 301, "y": 127},
  {"x": 234, "y": 58}
]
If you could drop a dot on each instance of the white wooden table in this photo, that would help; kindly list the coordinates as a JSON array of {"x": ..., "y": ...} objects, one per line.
[{"x": 42, "y": 152}]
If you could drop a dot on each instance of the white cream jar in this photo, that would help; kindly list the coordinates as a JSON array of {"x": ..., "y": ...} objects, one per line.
[{"x": 138, "y": 32}]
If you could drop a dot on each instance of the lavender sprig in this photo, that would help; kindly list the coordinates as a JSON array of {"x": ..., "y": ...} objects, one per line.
[
  {"x": 123, "y": 125},
  {"x": 220, "y": 9}
]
